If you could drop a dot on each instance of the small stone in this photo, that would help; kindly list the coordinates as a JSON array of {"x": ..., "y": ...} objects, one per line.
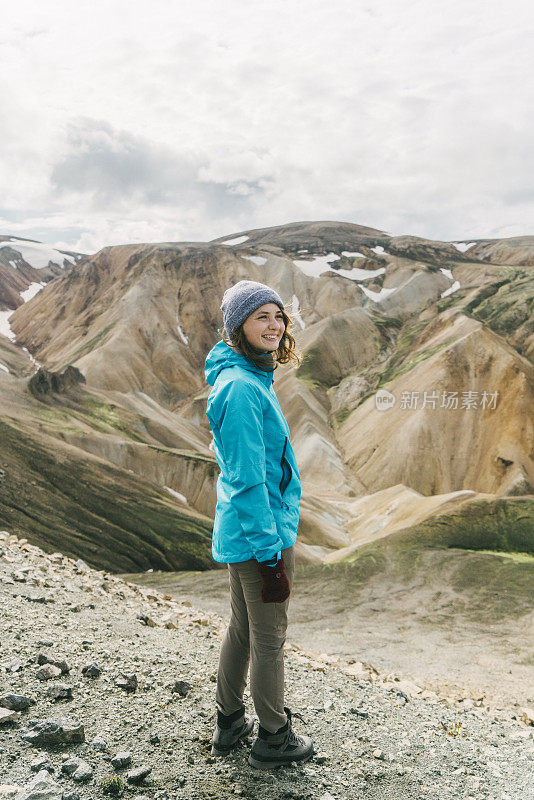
[
  {"x": 146, "y": 620},
  {"x": 99, "y": 743},
  {"x": 70, "y": 796},
  {"x": 182, "y": 688},
  {"x": 379, "y": 754},
  {"x": 138, "y": 775},
  {"x": 122, "y": 759},
  {"x": 53, "y": 731},
  {"x": 41, "y": 787},
  {"x": 320, "y": 758},
  {"x": 84, "y": 772},
  {"x": 359, "y": 712},
  {"x": 526, "y": 715},
  {"x": 15, "y": 666},
  {"x": 59, "y": 691},
  {"x": 154, "y": 738},
  {"x": 16, "y": 702},
  {"x": 47, "y": 672},
  {"x": 41, "y": 762},
  {"x": 127, "y": 682},
  {"x": 7, "y": 715},
  {"x": 91, "y": 670},
  {"x": 43, "y": 658},
  {"x": 70, "y": 766}
]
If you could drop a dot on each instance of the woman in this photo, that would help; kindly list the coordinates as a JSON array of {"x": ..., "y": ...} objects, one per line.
[{"x": 256, "y": 519}]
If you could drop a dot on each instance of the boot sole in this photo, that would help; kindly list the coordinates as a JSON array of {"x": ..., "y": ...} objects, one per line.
[
  {"x": 216, "y": 751},
  {"x": 274, "y": 764}
]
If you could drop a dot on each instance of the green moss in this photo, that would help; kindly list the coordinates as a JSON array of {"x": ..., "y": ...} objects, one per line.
[
  {"x": 89, "y": 345},
  {"x": 105, "y": 515},
  {"x": 307, "y": 371}
]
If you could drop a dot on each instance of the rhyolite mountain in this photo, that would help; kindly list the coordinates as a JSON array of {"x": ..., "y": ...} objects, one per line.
[{"x": 106, "y": 453}]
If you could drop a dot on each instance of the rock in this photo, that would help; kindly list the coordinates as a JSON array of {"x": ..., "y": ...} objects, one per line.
[
  {"x": 8, "y": 715},
  {"x": 43, "y": 658},
  {"x": 91, "y": 670},
  {"x": 526, "y": 715},
  {"x": 53, "y": 731},
  {"x": 45, "y": 382},
  {"x": 47, "y": 672},
  {"x": 79, "y": 769},
  {"x": 70, "y": 796},
  {"x": 70, "y": 766},
  {"x": 127, "y": 682},
  {"x": 8, "y": 789},
  {"x": 122, "y": 759},
  {"x": 84, "y": 772},
  {"x": 16, "y": 702},
  {"x": 138, "y": 775},
  {"x": 359, "y": 712},
  {"x": 146, "y": 620},
  {"x": 59, "y": 691},
  {"x": 41, "y": 787},
  {"x": 154, "y": 738},
  {"x": 320, "y": 758},
  {"x": 41, "y": 762},
  {"x": 182, "y": 688},
  {"x": 99, "y": 743},
  {"x": 14, "y": 666},
  {"x": 379, "y": 754}
]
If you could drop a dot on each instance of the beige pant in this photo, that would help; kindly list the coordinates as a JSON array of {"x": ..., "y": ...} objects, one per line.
[{"x": 256, "y": 633}]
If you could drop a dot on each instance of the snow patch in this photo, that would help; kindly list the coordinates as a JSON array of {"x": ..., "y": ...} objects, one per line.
[
  {"x": 5, "y": 327},
  {"x": 31, "y": 291},
  {"x": 463, "y": 246},
  {"x": 256, "y": 260},
  {"x": 321, "y": 264},
  {"x": 183, "y": 337},
  {"x": 447, "y": 272},
  {"x": 376, "y": 297},
  {"x": 378, "y": 249},
  {"x": 451, "y": 289},
  {"x": 296, "y": 312},
  {"x": 317, "y": 266},
  {"x": 352, "y": 255},
  {"x": 174, "y": 493},
  {"x": 32, "y": 359},
  {"x": 37, "y": 254},
  {"x": 211, "y": 445},
  {"x": 3, "y": 366},
  {"x": 238, "y": 240}
]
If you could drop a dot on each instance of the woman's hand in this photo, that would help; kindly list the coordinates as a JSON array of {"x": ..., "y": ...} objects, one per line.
[{"x": 275, "y": 588}]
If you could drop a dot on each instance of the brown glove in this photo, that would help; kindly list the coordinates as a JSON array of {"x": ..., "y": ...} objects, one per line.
[{"x": 275, "y": 587}]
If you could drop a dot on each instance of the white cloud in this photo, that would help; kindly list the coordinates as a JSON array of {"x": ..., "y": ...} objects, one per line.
[{"x": 196, "y": 119}]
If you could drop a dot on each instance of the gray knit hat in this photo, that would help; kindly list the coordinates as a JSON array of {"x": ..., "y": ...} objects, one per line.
[{"x": 240, "y": 300}]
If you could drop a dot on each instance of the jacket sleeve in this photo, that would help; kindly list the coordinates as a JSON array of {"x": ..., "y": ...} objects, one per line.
[{"x": 241, "y": 432}]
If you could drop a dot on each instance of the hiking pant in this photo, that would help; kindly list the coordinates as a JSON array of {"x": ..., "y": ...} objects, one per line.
[{"x": 256, "y": 634}]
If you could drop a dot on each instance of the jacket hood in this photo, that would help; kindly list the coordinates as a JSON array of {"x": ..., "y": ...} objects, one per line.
[{"x": 222, "y": 356}]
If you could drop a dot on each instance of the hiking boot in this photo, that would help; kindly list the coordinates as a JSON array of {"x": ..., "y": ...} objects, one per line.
[
  {"x": 229, "y": 729},
  {"x": 274, "y": 749}
]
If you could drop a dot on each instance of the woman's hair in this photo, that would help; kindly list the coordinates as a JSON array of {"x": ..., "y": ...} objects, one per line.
[{"x": 286, "y": 350}]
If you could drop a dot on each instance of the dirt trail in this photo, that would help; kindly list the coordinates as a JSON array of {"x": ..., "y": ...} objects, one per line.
[{"x": 396, "y": 628}]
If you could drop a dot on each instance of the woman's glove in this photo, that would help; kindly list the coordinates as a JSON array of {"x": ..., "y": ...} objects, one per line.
[{"x": 275, "y": 587}]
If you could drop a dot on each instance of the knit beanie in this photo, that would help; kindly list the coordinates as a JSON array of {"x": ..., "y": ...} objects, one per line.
[{"x": 240, "y": 300}]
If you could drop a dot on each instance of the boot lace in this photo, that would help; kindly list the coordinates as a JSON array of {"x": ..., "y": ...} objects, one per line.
[{"x": 292, "y": 737}]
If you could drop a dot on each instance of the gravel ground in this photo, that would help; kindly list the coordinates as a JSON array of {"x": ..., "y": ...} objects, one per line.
[{"x": 375, "y": 737}]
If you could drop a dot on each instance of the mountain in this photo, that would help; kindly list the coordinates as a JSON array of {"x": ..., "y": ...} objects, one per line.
[{"x": 413, "y": 400}]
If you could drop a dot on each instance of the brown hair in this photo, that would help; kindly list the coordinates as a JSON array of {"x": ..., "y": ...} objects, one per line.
[{"x": 286, "y": 350}]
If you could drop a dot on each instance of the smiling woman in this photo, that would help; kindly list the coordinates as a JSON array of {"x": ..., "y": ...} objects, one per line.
[{"x": 256, "y": 520}]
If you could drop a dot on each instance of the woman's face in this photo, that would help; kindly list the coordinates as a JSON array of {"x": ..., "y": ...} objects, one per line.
[{"x": 264, "y": 327}]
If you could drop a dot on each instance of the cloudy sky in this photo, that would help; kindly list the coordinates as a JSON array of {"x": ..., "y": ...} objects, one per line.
[{"x": 192, "y": 119}]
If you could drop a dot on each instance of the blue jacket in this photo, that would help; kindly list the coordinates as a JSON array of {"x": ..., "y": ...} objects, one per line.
[{"x": 258, "y": 489}]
